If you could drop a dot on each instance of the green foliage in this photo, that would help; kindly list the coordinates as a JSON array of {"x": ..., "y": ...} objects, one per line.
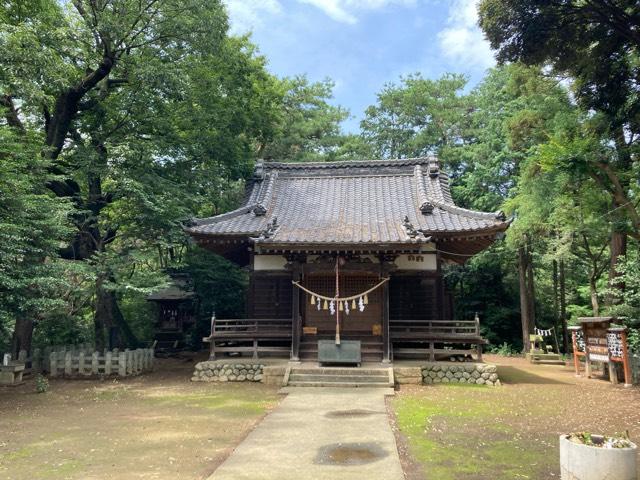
[
  {"x": 220, "y": 285},
  {"x": 505, "y": 350},
  {"x": 32, "y": 226},
  {"x": 164, "y": 116},
  {"x": 418, "y": 117},
  {"x": 167, "y": 113},
  {"x": 309, "y": 127},
  {"x": 42, "y": 384}
]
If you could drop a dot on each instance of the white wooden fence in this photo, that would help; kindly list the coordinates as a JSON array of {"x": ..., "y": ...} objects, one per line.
[
  {"x": 122, "y": 363},
  {"x": 83, "y": 360}
]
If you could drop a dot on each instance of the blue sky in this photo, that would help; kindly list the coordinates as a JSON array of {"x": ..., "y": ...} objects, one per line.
[{"x": 363, "y": 44}]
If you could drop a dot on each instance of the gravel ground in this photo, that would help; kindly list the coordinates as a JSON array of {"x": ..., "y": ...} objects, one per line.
[{"x": 155, "y": 426}]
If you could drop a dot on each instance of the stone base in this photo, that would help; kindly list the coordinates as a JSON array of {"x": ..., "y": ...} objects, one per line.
[
  {"x": 407, "y": 375},
  {"x": 225, "y": 371},
  {"x": 470, "y": 373},
  {"x": 11, "y": 375},
  {"x": 273, "y": 375}
]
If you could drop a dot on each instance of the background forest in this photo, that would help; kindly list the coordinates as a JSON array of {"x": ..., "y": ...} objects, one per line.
[{"x": 122, "y": 119}]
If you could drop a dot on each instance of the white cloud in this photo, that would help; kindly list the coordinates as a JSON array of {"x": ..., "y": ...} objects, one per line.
[
  {"x": 246, "y": 15},
  {"x": 346, "y": 11},
  {"x": 462, "y": 40}
]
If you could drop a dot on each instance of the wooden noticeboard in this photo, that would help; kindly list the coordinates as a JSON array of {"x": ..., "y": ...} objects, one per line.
[{"x": 596, "y": 340}]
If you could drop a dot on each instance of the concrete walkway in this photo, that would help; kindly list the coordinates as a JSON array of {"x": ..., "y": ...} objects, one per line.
[{"x": 319, "y": 433}]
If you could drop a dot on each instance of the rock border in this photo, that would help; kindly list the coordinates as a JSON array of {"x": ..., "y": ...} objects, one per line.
[
  {"x": 212, "y": 371},
  {"x": 470, "y": 373}
]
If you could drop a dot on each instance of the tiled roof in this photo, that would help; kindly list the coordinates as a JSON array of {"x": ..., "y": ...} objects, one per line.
[{"x": 378, "y": 201}]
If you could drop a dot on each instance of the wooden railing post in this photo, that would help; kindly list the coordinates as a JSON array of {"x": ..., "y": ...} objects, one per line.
[
  {"x": 479, "y": 345},
  {"x": 212, "y": 340}
]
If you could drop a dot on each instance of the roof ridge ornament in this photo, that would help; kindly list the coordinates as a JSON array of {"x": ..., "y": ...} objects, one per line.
[
  {"x": 409, "y": 228},
  {"x": 265, "y": 195},
  {"x": 259, "y": 210},
  {"x": 434, "y": 167},
  {"x": 258, "y": 170},
  {"x": 426, "y": 207},
  {"x": 271, "y": 229}
]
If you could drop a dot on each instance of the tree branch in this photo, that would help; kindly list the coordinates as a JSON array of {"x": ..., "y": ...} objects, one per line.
[{"x": 11, "y": 114}]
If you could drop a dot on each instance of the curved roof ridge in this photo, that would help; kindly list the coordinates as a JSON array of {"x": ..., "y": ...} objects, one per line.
[
  {"x": 225, "y": 216},
  {"x": 424, "y": 205},
  {"x": 499, "y": 215},
  {"x": 265, "y": 194},
  {"x": 350, "y": 163}
]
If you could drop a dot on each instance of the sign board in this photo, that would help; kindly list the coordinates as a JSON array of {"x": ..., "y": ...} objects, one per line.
[{"x": 596, "y": 340}]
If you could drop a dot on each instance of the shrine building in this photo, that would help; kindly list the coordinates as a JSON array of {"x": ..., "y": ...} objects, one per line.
[{"x": 349, "y": 250}]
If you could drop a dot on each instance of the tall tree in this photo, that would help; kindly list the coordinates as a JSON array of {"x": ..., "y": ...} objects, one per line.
[
  {"x": 33, "y": 224},
  {"x": 418, "y": 117},
  {"x": 597, "y": 45},
  {"x": 144, "y": 108},
  {"x": 309, "y": 126}
]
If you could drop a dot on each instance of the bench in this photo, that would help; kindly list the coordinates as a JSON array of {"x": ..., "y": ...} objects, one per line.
[
  {"x": 255, "y": 335},
  {"x": 420, "y": 338}
]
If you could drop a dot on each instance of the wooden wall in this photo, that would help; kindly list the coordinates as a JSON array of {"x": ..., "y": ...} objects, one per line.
[
  {"x": 415, "y": 296},
  {"x": 270, "y": 295}
]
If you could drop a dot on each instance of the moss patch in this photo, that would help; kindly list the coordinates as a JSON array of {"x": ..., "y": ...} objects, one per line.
[
  {"x": 225, "y": 402},
  {"x": 456, "y": 437}
]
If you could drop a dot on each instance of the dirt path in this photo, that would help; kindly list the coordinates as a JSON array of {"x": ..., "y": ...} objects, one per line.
[
  {"x": 510, "y": 432},
  {"x": 156, "y": 426}
]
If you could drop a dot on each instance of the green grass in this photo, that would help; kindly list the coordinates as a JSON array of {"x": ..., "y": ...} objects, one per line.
[
  {"x": 458, "y": 437},
  {"x": 222, "y": 402}
]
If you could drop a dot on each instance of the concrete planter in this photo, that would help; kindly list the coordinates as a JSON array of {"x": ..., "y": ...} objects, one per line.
[
  {"x": 11, "y": 374},
  {"x": 585, "y": 462}
]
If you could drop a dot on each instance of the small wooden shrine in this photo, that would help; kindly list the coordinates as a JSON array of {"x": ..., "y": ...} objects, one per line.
[
  {"x": 175, "y": 312},
  {"x": 599, "y": 340},
  {"x": 348, "y": 251}
]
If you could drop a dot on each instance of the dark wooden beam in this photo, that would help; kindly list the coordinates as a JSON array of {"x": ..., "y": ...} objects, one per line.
[{"x": 296, "y": 318}]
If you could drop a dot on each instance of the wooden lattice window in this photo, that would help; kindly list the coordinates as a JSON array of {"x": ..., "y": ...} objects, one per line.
[{"x": 350, "y": 284}]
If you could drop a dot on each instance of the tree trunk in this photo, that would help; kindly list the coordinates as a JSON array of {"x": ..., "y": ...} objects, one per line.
[
  {"x": 563, "y": 308},
  {"x": 525, "y": 304},
  {"x": 531, "y": 285},
  {"x": 111, "y": 329},
  {"x": 556, "y": 313},
  {"x": 595, "y": 305},
  {"x": 22, "y": 335},
  {"x": 102, "y": 323},
  {"x": 618, "y": 248}
]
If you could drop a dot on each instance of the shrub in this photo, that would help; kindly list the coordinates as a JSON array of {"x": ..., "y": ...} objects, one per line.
[
  {"x": 505, "y": 350},
  {"x": 42, "y": 384}
]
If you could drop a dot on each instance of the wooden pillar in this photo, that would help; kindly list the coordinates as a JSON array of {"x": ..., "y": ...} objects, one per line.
[
  {"x": 212, "y": 342},
  {"x": 385, "y": 269},
  {"x": 576, "y": 359},
  {"x": 386, "y": 340},
  {"x": 626, "y": 364},
  {"x": 296, "y": 318}
]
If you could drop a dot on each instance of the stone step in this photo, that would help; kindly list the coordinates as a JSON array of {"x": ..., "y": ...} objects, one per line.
[
  {"x": 296, "y": 377},
  {"x": 345, "y": 384},
  {"x": 339, "y": 377},
  {"x": 339, "y": 371},
  {"x": 547, "y": 362}
]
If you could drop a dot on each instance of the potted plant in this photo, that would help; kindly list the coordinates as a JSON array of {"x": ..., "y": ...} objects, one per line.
[{"x": 585, "y": 456}]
